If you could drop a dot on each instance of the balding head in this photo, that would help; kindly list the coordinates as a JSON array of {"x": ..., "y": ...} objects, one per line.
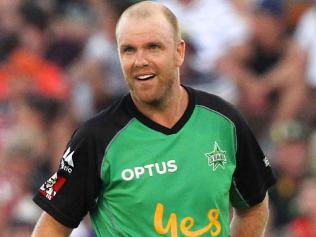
[{"x": 147, "y": 9}]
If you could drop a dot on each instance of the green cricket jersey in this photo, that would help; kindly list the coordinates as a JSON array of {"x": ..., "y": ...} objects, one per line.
[{"x": 137, "y": 178}]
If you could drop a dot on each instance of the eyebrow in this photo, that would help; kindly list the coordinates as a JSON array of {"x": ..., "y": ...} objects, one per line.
[
  {"x": 124, "y": 46},
  {"x": 154, "y": 42}
]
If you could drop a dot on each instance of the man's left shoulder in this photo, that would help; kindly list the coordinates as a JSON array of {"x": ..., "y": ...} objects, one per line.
[{"x": 214, "y": 102}]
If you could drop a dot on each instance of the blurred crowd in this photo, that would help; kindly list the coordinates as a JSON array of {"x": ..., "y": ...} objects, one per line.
[{"x": 59, "y": 66}]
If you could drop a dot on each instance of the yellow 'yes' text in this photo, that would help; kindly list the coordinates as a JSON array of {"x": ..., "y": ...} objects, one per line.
[{"x": 186, "y": 224}]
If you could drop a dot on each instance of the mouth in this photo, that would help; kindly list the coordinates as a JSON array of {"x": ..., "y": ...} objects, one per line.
[{"x": 145, "y": 77}]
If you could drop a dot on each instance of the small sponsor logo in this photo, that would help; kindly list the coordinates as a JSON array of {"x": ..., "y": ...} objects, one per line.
[
  {"x": 67, "y": 163},
  {"x": 50, "y": 188},
  {"x": 266, "y": 162},
  {"x": 216, "y": 158}
]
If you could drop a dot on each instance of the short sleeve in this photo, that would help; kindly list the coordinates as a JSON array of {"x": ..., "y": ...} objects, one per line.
[
  {"x": 253, "y": 174},
  {"x": 71, "y": 192}
]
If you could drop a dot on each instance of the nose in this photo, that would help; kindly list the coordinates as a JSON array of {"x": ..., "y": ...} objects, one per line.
[{"x": 140, "y": 59}]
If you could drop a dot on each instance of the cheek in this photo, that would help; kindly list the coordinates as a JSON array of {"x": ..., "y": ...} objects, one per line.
[
  {"x": 167, "y": 66},
  {"x": 125, "y": 66},
  {"x": 171, "y": 61},
  {"x": 124, "y": 69}
]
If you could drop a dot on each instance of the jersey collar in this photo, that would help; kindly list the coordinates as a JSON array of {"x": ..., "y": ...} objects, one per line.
[{"x": 132, "y": 109}]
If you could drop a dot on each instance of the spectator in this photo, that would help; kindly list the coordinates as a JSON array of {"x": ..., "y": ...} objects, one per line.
[
  {"x": 211, "y": 27},
  {"x": 305, "y": 37},
  {"x": 267, "y": 70},
  {"x": 305, "y": 224},
  {"x": 291, "y": 162},
  {"x": 59, "y": 53},
  {"x": 97, "y": 72}
]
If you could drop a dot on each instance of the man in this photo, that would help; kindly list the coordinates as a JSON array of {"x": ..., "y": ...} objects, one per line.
[{"x": 166, "y": 159}]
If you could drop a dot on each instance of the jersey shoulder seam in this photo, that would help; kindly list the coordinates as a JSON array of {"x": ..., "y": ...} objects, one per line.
[
  {"x": 217, "y": 112},
  {"x": 117, "y": 134},
  {"x": 225, "y": 117}
]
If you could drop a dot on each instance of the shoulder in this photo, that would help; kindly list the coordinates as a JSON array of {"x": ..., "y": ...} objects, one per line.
[{"x": 216, "y": 104}]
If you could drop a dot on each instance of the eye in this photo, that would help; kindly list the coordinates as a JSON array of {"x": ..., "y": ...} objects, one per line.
[
  {"x": 154, "y": 46},
  {"x": 128, "y": 49}
]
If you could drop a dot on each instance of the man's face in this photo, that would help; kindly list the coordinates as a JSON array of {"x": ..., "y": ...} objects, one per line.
[{"x": 150, "y": 57}]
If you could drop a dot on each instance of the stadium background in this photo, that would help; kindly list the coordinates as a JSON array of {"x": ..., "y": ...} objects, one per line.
[{"x": 58, "y": 67}]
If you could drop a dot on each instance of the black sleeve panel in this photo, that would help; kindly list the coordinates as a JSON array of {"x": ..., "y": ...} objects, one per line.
[
  {"x": 253, "y": 174},
  {"x": 72, "y": 191},
  {"x": 69, "y": 194}
]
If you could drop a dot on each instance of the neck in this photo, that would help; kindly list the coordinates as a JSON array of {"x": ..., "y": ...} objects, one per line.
[{"x": 167, "y": 112}]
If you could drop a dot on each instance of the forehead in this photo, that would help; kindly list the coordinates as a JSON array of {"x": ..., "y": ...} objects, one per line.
[{"x": 133, "y": 30}]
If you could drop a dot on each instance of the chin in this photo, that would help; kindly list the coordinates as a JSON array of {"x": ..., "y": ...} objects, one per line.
[
  {"x": 149, "y": 100},
  {"x": 154, "y": 102}
]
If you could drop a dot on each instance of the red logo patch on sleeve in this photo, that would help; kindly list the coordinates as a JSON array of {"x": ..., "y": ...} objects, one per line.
[{"x": 50, "y": 188}]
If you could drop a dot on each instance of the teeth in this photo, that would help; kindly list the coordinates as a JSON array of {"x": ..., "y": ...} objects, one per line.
[{"x": 144, "y": 77}]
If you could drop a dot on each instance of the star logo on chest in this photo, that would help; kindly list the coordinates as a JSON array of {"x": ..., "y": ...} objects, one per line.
[{"x": 217, "y": 157}]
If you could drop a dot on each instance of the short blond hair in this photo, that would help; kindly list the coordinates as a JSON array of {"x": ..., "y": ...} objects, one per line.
[{"x": 146, "y": 9}]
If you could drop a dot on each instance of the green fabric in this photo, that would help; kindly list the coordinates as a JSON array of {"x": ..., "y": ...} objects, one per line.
[
  {"x": 236, "y": 198},
  {"x": 175, "y": 185}
]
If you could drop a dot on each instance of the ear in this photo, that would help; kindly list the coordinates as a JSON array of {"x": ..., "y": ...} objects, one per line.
[{"x": 180, "y": 52}]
